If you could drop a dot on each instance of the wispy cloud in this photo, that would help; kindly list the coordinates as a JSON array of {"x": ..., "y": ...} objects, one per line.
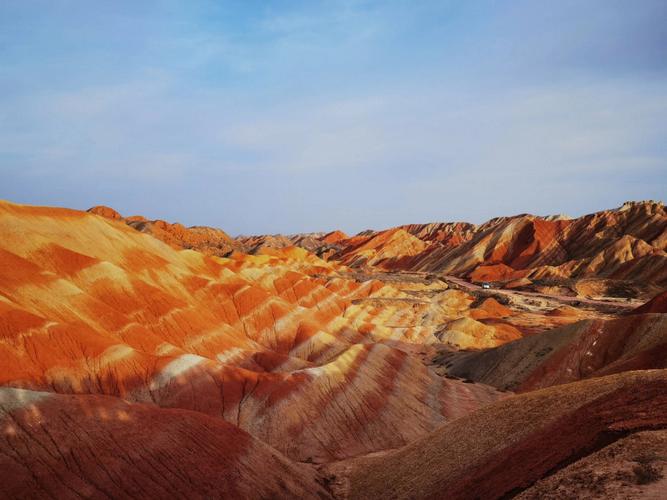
[{"x": 351, "y": 114}]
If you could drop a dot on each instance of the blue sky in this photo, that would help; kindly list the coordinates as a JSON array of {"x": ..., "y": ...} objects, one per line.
[{"x": 261, "y": 116}]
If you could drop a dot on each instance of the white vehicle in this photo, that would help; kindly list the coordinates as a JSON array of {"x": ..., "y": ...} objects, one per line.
[{"x": 486, "y": 286}]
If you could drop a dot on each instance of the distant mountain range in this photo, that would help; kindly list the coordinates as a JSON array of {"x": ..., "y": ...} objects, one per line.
[{"x": 625, "y": 247}]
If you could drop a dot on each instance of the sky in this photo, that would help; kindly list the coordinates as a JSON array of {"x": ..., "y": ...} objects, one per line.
[{"x": 295, "y": 116}]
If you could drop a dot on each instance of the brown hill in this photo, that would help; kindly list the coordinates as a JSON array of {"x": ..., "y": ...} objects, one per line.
[
  {"x": 507, "y": 447},
  {"x": 73, "y": 446},
  {"x": 588, "y": 348},
  {"x": 632, "y": 467},
  {"x": 254, "y": 244},
  {"x": 657, "y": 304}
]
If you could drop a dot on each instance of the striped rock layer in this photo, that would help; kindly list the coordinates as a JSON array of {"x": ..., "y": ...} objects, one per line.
[
  {"x": 75, "y": 446},
  {"x": 626, "y": 244},
  {"x": 585, "y": 349},
  {"x": 282, "y": 345}
]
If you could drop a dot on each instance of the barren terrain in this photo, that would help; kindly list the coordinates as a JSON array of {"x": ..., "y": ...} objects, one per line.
[{"x": 144, "y": 358}]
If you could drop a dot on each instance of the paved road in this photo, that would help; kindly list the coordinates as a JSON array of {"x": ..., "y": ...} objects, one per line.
[{"x": 565, "y": 299}]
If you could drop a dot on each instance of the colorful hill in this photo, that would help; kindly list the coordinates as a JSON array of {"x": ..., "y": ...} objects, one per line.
[
  {"x": 67, "y": 446},
  {"x": 281, "y": 344},
  {"x": 205, "y": 239},
  {"x": 136, "y": 360},
  {"x": 624, "y": 244},
  {"x": 585, "y": 349}
]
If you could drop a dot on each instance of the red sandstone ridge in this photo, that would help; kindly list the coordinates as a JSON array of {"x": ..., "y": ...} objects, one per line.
[
  {"x": 205, "y": 239},
  {"x": 490, "y": 308},
  {"x": 386, "y": 250},
  {"x": 104, "y": 211},
  {"x": 624, "y": 245},
  {"x": 334, "y": 237}
]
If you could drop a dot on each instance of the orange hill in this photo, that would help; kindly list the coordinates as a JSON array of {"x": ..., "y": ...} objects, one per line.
[
  {"x": 619, "y": 246},
  {"x": 280, "y": 345},
  {"x": 205, "y": 239},
  {"x": 136, "y": 361}
]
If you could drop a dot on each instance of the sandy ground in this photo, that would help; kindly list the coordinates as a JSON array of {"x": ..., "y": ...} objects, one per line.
[{"x": 633, "y": 467}]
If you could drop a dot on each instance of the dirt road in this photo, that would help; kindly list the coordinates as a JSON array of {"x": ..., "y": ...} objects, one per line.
[{"x": 611, "y": 303}]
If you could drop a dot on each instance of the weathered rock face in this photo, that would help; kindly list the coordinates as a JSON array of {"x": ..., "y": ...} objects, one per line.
[{"x": 281, "y": 344}]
